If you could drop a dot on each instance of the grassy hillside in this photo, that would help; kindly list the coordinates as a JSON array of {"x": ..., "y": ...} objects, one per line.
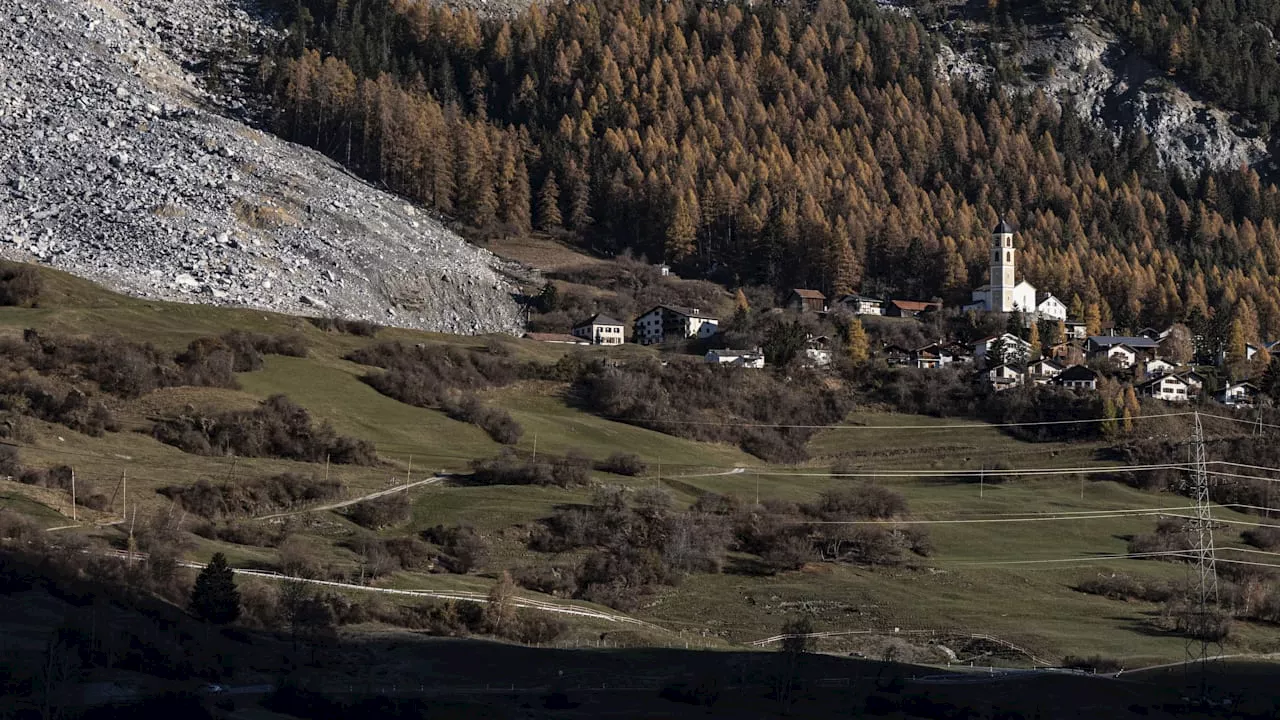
[{"x": 962, "y": 587}]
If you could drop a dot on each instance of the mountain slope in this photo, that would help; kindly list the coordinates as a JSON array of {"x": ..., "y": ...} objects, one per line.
[{"x": 112, "y": 167}]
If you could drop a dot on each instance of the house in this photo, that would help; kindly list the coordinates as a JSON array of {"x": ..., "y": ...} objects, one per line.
[
  {"x": 1049, "y": 307},
  {"x": 1010, "y": 348},
  {"x": 1237, "y": 394},
  {"x": 1002, "y": 377},
  {"x": 669, "y": 322},
  {"x": 910, "y": 308},
  {"x": 1076, "y": 330},
  {"x": 861, "y": 304},
  {"x": 1195, "y": 381},
  {"x": 1078, "y": 377},
  {"x": 735, "y": 358},
  {"x": 1044, "y": 370},
  {"x": 556, "y": 338},
  {"x": 664, "y": 270},
  {"x": 1140, "y": 348},
  {"x": 1122, "y": 355},
  {"x": 1154, "y": 334},
  {"x": 817, "y": 352},
  {"x": 929, "y": 357},
  {"x": 959, "y": 353},
  {"x": 1066, "y": 353},
  {"x": 599, "y": 329},
  {"x": 801, "y": 300},
  {"x": 1250, "y": 350},
  {"x": 1157, "y": 367},
  {"x": 1169, "y": 388},
  {"x": 895, "y": 355}
]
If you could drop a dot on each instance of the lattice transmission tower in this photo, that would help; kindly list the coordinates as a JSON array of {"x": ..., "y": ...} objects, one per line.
[{"x": 1204, "y": 579}]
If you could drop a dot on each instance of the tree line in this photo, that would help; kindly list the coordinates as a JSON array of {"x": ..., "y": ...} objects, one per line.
[{"x": 788, "y": 145}]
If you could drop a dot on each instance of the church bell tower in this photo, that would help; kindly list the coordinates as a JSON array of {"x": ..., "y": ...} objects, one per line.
[{"x": 1002, "y": 268}]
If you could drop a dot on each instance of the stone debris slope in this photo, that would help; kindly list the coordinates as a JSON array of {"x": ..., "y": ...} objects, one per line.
[{"x": 113, "y": 167}]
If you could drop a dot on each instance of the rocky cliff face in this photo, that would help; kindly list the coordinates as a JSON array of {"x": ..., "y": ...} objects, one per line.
[
  {"x": 116, "y": 164},
  {"x": 1109, "y": 84}
]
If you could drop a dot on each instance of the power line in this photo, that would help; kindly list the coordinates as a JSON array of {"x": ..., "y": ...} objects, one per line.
[
  {"x": 1092, "y": 558},
  {"x": 1102, "y": 515},
  {"x": 986, "y": 472}
]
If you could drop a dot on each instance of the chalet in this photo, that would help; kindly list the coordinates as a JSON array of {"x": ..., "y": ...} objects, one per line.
[
  {"x": 1153, "y": 334},
  {"x": 1076, "y": 330},
  {"x": 1122, "y": 355},
  {"x": 894, "y": 355},
  {"x": 861, "y": 304},
  {"x": 929, "y": 357},
  {"x": 735, "y": 358},
  {"x": 801, "y": 300},
  {"x": 1078, "y": 377},
  {"x": 817, "y": 352},
  {"x": 910, "y": 308},
  {"x": 599, "y": 329},
  {"x": 1158, "y": 367},
  {"x": 1009, "y": 347},
  {"x": 663, "y": 270},
  {"x": 1237, "y": 394},
  {"x": 1002, "y": 377},
  {"x": 1194, "y": 380},
  {"x": 1138, "y": 348},
  {"x": 1066, "y": 353},
  {"x": 1170, "y": 388},
  {"x": 669, "y": 322},
  {"x": 1044, "y": 370},
  {"x": 556, "y": 338},
  {"x": 1049, "y": 307},
  {"x": 1250, "y": 351},
  {"x": 960, "y": 353}
]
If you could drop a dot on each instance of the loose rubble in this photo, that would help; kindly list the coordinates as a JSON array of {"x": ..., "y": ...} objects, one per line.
[
  {"x": 118, "y": 165},
  {"x": 1110, "y": 85}
]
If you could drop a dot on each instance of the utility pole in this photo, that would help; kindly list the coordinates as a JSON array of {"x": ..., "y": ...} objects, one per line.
[
  {"x": 326, "y": 468},
  {"x": 535, "y": 447},
  {"x": 982, "y": 480},
  {"x": 1082, "y": 486},
  {"x": 1204, "y": 584},
  {"x": 73, "y": 495},
  {"x": 408, "y": 471},
  {"x": 124, "y": 490}
]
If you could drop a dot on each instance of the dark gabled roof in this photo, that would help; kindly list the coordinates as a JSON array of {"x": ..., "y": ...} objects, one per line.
[
  {"x": 915, "y": 305},
  {"x": 598, "y": 319},
  {"x": 1042, "y": 296},
  {"x": 1136, "y": 343},
  {"x": 1047, "y": 361},
  {"x": 1076, "y": 373},
  {"x": 1003, "y": 228},
  {"x": 1160, "y": 379},
  {"x": 809, "y": 294},
  {"x": 857, "y": 297}
]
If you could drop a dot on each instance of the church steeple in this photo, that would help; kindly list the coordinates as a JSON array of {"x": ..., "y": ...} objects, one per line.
[{"x": 1002, "y": 267}]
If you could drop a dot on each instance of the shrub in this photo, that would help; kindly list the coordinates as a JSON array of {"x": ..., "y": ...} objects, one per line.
[
  {"x": 462, "y": 548},
  {"x": 497, "y": 422},
  {"x": 20, "y": 285},
  {"x": 508, "y": 468},
  {"x": 362, "y": 328},
  {"x": 1170, "y": 536},
  {"x": 277, "y": 428},
  {"x": 620, "y": 463},
  {"x": 554, "y": 580},
  {"x": 1093, "y": 663},
  {"x": 252, "y": 496},
  {"x": 1264, "y": 538},
  {"x": 378, "y": 513},
  {"x": 864, "y": 501},
  {"x": 424, "y": 375}
]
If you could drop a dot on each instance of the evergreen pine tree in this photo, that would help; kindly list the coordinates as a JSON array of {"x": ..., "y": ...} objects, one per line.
[{"x": 215, "y": 598}]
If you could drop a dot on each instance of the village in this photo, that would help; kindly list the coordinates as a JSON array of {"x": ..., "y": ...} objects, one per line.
[{"x": 1043, "y": 342}]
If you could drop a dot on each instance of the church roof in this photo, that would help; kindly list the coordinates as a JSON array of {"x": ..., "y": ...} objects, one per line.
[{"x": 1003, "y": 228}]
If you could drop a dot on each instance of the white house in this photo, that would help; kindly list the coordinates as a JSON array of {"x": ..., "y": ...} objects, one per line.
[
  {"x": 1157, "y": 367},
  {"x": 1050, "y": 307},
  {"x": 930, "y": 357},
  {"x": 1122, "y": 355},
  {"x": 817, "y": 352},
  {"x": 1194, "y": 380},
  {"x": 735, "y": 358},
  {"x": 668, "y": 322},
  {"x": 1012, "y": 349},
  {"x": 1237, "y": 394},
  {"x": 862, "y": 305},
  {"x": 1002, "y": 377},
  {"x": 1044, "y": 370},
  {"x": 1170, "y": 388},
  {"x": 599, "y": 329},
  {"x": 1076, "y": 330}
]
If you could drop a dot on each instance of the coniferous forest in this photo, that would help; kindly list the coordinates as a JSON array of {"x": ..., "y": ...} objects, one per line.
[{"x": 801, "y": 144}]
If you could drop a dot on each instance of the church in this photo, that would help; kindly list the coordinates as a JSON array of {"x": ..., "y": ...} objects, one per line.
[{"x": 1004, "y": 294}]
